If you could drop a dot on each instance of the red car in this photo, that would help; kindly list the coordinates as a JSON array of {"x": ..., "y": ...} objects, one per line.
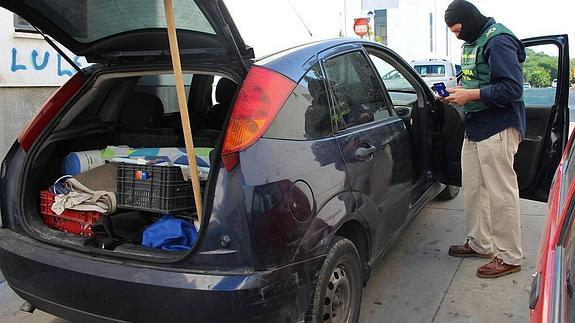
[{"x": 552, "y": 298}]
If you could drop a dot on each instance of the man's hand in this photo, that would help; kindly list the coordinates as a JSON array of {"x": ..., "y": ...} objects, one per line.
[{"x": 462, "y": 96}]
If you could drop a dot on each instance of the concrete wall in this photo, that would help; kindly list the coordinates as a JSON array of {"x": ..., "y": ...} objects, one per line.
[{"x": 17, "y": 108}]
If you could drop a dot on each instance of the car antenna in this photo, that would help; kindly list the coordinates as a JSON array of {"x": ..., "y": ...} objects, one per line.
[
  {"x": 68, "y": 59},
  {"x": 300, "y": 19}
]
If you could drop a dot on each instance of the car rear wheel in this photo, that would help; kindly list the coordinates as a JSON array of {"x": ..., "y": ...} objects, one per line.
[
  {"x": 449, "y": 192},
  {"x": 337, "y": 296}
]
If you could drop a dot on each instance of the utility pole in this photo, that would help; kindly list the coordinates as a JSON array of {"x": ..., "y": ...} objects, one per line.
[
  {"x": 344, "y": 18},
  {"x": 435, "y": 28}
]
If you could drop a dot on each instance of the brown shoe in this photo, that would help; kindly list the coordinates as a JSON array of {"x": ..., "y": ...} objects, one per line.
[
  {"x": 496, "y": 268},
  {"x": 464, "y": 251}
]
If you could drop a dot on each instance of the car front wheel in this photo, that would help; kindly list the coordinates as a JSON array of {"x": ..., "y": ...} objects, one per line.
[{"x": 337, "y": 296}]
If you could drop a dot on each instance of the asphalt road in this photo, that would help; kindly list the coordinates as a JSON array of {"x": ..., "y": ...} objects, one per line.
[{"x": 417, "y": 281}]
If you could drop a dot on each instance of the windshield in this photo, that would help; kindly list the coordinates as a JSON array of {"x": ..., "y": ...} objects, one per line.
[
  {"x": 88, "y": 21},
  {"x": 430, "y": 70}
]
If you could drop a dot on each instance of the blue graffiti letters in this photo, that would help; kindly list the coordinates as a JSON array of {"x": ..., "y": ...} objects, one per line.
[
  {"x": 15, "y": 66},
  {"x": 42, "y": 65},
  {"x": 42, "y": 60},
  {"x": 62, "y": 72}
]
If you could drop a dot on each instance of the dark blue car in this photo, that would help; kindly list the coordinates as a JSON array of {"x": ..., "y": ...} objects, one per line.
[{"x": 318, "y": 163}]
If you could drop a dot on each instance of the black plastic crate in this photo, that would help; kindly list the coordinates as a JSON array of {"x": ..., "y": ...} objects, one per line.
[{"x": 160, "y": 189}]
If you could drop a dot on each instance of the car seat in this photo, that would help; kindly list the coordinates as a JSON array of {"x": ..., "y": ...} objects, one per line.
[
  {"x": 225, "y": 91},
  {"x": 140, "y": 123}
]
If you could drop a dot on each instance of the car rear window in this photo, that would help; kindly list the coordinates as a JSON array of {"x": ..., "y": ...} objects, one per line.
[
  {"x": 88, "y": 21},
  {"x": 305, "y": 115},
  {"x": 357, "y": 93},
  {"x": 430, "y": 70},
  {"x": 164, "y": 87}
]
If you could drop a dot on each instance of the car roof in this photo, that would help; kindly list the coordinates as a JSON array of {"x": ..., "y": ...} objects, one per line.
[{"x": 296, "y": 61}]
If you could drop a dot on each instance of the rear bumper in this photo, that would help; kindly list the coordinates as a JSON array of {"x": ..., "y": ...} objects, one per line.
[{"x": 80, "y": 287}]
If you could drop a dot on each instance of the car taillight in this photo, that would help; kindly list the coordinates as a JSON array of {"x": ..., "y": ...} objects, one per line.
[
  {"x": 49, "y": 110},
  {"x": 261, "y": 96}
]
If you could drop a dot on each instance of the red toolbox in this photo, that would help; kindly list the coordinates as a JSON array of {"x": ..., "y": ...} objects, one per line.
[{"x": 71, "y": 221}]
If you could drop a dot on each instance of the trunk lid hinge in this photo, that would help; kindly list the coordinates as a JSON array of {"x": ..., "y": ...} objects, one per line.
[
  {"x": 68, "y": 59},
  {"x": 229, "y": 35}
]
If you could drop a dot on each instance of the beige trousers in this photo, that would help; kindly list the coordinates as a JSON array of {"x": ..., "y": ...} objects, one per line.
[{"x": 491, "y": 195}]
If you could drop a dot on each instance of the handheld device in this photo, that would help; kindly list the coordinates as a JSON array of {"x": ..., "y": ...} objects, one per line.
[{"x": 440, "y": 89}]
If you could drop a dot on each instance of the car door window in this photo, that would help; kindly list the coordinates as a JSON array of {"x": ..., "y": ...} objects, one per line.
[
  {"x": 357, "y": 94},
  {"x": 394, "y": 81},
  {"x": 400, "y": 90},
  {"x": 539, "y": 71}
]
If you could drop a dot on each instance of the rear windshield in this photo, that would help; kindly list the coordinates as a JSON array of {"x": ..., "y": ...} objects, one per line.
[
  {"x": 88, "y": 21},
  {"x": 430, "y": 70}
]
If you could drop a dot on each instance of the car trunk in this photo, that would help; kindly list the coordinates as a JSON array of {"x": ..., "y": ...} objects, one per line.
[
  {"x": 114, "y": 109},
  {"x": 128, "y": 41}
]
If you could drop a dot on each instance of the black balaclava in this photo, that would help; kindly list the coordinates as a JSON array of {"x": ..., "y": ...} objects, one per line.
[{"x": 471, "y": 20}]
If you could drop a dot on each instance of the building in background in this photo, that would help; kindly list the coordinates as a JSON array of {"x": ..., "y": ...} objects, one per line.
[
  {"x": 30, "y": 71},
  {"x": 413, "y": 28}
]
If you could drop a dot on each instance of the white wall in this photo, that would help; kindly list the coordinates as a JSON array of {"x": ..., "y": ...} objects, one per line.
[
  {"x": 409, "y": 30},
  {"x": 27, "y": 60}
]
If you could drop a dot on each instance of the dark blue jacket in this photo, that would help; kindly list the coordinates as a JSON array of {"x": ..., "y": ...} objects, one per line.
[{"x": 504, "y": 55}]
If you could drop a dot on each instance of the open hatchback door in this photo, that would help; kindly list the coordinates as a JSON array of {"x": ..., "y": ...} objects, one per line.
[
  {"x": 547, "y": 127},
  {"x": 108, "y": 31}
]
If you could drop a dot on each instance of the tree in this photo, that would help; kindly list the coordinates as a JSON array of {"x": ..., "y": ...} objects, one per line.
[
  {"x": 540, "y": 68},
  {"x": 539, "y": 77}
]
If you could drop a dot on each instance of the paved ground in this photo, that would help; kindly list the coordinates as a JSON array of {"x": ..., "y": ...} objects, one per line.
[{"x": 417, "y": 281}]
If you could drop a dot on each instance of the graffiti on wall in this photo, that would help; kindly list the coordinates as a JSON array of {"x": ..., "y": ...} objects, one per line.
[{"x": 36, "y": 60}]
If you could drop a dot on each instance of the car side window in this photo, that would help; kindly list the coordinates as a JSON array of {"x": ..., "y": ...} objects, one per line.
[
  {"x": 394, "y": 81},
  {"x": 400, "y": 90},
  {"x": 540, "y": 68},
  {"x": 305, "y": 115},
  {"x": 357, "y": 94}
]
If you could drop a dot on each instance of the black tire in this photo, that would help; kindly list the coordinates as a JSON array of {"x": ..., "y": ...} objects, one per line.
[
  {"x": 337, "y": 296},
  {"x": 449, "y": 192}
]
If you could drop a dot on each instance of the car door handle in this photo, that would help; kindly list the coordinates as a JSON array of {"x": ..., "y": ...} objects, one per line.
[{"x": 365, "y": 153}]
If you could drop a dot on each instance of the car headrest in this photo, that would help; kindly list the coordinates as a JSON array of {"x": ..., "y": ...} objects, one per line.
[
  {"x": 141, "y": 110},
  {"x": 225, "y": 91}
]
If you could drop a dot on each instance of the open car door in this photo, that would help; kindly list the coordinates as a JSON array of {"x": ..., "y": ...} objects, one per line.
[{"x": 547, "y": 114}]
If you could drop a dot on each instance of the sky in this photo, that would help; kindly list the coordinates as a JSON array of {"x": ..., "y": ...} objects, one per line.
[
  {"x": 530, "y": 18},
  {"x": 274, "y": 25}
]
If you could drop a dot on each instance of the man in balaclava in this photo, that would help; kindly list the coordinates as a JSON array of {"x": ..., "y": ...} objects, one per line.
[{"x": 494, "y": 125}]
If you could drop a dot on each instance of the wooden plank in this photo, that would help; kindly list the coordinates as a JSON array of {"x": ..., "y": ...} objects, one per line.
[{"x": 182, "y": 102}]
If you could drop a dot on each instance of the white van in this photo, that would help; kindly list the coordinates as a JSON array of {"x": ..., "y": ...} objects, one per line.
[{"x": 437, "y": 70}]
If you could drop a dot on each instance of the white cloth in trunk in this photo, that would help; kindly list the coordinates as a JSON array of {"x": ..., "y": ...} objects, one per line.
[{"x": 81, "y": 198}]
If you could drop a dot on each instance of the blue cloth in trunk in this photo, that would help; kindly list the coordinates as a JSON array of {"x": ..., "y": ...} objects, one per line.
[{"x": 170, "y": 233}]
